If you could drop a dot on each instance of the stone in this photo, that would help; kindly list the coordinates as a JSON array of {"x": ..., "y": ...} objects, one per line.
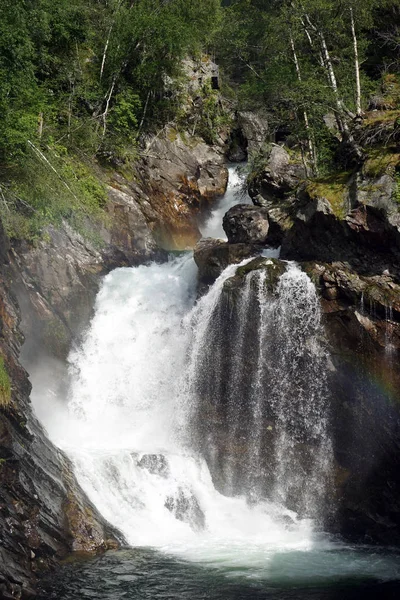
[
  {"x": 280, "y": 177},
  {"x": 245, "y": 224},
  {"x": 255, "y": 129},
  {"x": 156, "y": 464},
  {"x": 213, "y": 256},
  {"x": 185, "y": 507},
  {"x": 44, "y": 513}
]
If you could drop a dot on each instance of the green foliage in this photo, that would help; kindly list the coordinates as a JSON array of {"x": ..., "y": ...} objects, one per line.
[
  {"x": 211, "y": 115},
  {"x": 79, "y": 80},
  {"x": 297, "y": 59},
  {"x": 5, "y": 385},
  {"x": 397, "y": 187},
  {"x": 47, "y": 189},
  {"x": 124, "y": 114}
]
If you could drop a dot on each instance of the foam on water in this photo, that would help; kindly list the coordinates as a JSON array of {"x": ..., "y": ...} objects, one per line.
[
  {"x": 129, "y": 428},
  {"x": 212, "y": 227}
]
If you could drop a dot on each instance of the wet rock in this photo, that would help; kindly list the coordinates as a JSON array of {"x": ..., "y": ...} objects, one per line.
[
  {"x": 362, "y": 322},
  {"x": 156, "y": 464},
  {"x": 180, "y": 175},
  {"x": 244, "y": 224},
  {"x": 185, "y": 507},
  {"x": 213, "y": 256},
  {"x": 274, "y": 269}
]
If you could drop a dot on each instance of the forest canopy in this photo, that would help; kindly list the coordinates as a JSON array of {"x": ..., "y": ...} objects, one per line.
[{"x": 82, "y": 80}]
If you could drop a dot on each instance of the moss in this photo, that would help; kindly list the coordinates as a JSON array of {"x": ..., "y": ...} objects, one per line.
[
  {"x": 381, "y": 161},
  {"x": 5, "y": 385},
  {"x": 275, "y": 269},
  {"x": 382, "y": 117},
  {"x": 172, "y": 134},
  {"x": 334, "y": 189}
]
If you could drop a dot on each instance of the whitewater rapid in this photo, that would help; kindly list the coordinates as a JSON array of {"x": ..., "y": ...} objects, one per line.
[{"x": 127, "y": 417}]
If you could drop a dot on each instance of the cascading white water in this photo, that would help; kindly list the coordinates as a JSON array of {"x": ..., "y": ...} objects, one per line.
[
  {"x": 212, "y": 227},
  {"x": 257, "y": 372},
  {"x": 132, "y": 417},
  {"x": 187, "y": 418},
  {"x": 132, "y": 429}
]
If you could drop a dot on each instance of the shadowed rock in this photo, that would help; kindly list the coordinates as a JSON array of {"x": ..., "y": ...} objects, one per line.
[{"x": 245, "y": 224}]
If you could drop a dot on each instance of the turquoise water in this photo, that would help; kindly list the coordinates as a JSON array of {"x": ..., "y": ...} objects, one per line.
[{"x": 144, "y": 574}]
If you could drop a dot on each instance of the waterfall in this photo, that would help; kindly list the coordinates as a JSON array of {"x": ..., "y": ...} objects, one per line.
[
  {"x": 199, "y": 426},
  {"x": 167, "y": 392},
  {"x": 258, "y": 381}
]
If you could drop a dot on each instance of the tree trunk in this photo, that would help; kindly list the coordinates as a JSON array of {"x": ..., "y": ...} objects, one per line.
[
  {"x": 356, "y": 64},
  {"x": 311, "y": 146},
  {"x": 341, "y": 113}
]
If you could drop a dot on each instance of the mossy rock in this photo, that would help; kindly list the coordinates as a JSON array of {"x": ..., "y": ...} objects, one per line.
[
  {"x": 381, "y": 161},
  {"x": 274, "y": 268},
  {"x": 5, "y": 386},
  {"x": 335, "y": 189}
]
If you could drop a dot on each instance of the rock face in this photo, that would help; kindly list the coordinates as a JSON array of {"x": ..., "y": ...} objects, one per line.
[
  {"x": 154, "y": 209},
  {"x": 248, "y": 136},
  {"x": 280, "y": 177},
  {"x": 180, "y": 176},
  {"x": 213, "y": 256},
  {"x": 43, "y": 512},
  {"x": 244, "y": 224},
  {"x": 363, "y": 326}
]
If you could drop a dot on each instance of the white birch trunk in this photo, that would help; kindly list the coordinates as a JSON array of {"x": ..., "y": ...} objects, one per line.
[
  {"x": 311, "y": 147},
  {"x": 356, "y": 64}
]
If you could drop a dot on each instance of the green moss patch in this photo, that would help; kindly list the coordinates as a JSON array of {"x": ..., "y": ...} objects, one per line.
[
  {"x": 381, "y": 117},
  {"x": 334, "y": 189},
  {"x": 5, "y": 385},
  {"x": 382, "y": 161}
]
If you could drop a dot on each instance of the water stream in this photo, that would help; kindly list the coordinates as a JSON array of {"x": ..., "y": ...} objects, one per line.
[{"x": 203, "y": 435}]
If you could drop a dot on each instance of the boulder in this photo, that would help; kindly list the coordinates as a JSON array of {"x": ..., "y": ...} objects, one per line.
[
  {"x": 255, "y": 129},
  {"x": 185, "y": 507},
  {"x": 156, "y": 464},
  {"x": 246, "y": 224},
  {"x": 213, "y": 256},
  {"x": 280, "y": 176}
]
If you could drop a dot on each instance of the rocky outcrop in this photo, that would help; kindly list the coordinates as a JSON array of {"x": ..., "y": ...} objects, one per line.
[
  {"x": 43, "y": 512},
  {"x": 248, "y": 135},
  {"x": 280, "y": 177},
  {"x": 213, "y": 256},
  {"x": 245, "y": 224},
  {"x": 180, "y": 176},
  {"x": 351, "y": 217},
  {"x": 362, "y": 321},
  {"x": 154, "y": 208}
]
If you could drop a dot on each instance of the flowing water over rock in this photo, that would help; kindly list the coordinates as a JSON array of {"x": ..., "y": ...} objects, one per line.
[{"x": 201, "y": 428}]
